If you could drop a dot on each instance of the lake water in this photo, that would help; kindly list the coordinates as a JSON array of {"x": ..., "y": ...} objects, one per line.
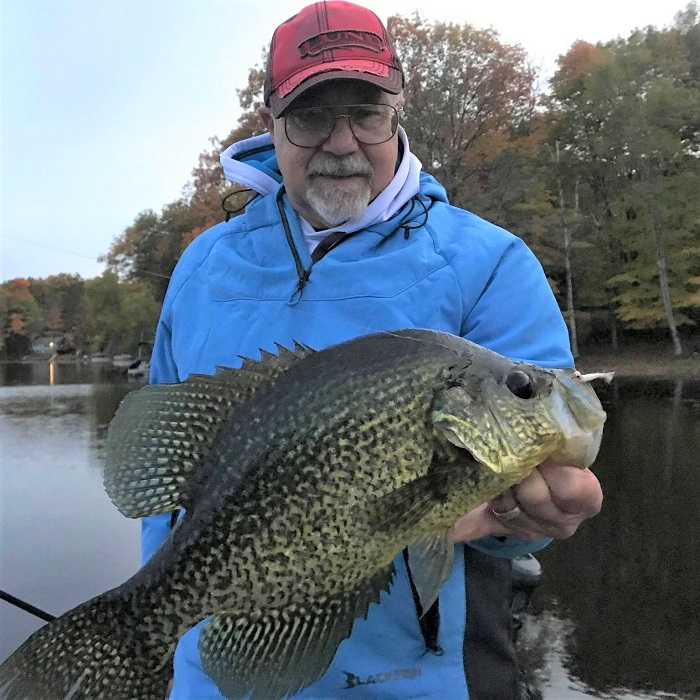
[{"x": 616, "y": 615}]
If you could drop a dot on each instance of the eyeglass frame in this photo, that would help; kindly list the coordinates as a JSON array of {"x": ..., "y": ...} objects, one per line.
[{"x": 394, "y": 120}]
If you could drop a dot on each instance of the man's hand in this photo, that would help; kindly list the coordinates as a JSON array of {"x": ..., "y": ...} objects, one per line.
[{"x": 551, "y": 502}]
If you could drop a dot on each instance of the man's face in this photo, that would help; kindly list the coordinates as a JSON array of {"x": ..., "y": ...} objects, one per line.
[{"x": 334, "y": 182}]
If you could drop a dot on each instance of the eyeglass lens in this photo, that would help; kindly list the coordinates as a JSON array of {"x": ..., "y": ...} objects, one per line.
[{"x": 370, "y": 123}]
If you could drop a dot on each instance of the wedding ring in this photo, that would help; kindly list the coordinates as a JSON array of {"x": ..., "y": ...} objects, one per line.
[{"x": 507, "y": 514}]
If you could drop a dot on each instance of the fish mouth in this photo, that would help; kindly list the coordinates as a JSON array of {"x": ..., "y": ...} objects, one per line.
[
  {"x": 454, "y": 439},
  {"x": 466, "y": 454},
  {"x": 580, "y": 415}
]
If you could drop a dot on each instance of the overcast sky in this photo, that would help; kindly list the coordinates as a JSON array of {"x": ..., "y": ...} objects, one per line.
[{"x": 106, "y": 104}]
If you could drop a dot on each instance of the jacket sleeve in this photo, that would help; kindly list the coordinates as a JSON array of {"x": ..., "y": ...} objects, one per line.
[{"x": 517, "y": 315}]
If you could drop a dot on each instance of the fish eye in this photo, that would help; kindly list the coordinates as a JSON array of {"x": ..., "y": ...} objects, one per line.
[{"x": 520, "y": 384}]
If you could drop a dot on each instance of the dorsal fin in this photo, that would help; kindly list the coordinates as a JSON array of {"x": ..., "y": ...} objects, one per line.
[
  {"x": 269, "y": 366},
  {"x": 162, "y": 432}
]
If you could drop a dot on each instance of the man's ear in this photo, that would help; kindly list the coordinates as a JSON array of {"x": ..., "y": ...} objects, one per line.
[{"x": 268, "y": 121}]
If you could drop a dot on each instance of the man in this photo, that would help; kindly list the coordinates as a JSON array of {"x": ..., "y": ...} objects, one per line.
[{"x": 347, "y": 236}]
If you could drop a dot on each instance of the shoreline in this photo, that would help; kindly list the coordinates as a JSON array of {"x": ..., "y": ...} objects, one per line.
[
  {"x": 644, "y": 361},
  {"x": 639, "y": 362}
]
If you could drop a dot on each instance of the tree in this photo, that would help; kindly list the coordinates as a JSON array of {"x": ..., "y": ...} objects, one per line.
[
  {"x": 659, "y": 149},
  {"x": 22, "y": 313},
  {"x": 209, "y": 186},
  {"x": 465, "y": 90},
  {"x": 60, "y": 299},
  {"x": 149, "y": 249},
  {"x": 613, "y": 219},
  {"x": 579, "y": 111},
  {"x": 630, "y": 124},
  {"x": 120, "y": 315}
]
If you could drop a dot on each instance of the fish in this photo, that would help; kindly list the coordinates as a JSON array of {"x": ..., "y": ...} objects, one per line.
[{"x": 301, "y": 475}]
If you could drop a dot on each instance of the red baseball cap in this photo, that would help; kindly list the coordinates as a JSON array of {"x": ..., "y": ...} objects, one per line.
[{"x": 325, "y": 41}]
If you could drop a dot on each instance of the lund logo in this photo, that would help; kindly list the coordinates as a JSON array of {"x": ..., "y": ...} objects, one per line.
[
  {"x": 352, "y": 681},
  {"x": 343, "y": 39}
]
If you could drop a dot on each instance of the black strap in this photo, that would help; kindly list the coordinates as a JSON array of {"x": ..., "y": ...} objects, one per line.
[
  {"x": 327, "y": 244},
  {"x": 490, "y": 662},
  {"x": 430, "y": 621}
]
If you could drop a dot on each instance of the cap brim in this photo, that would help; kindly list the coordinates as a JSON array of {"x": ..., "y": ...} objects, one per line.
[{"x": 391, "y": 83}]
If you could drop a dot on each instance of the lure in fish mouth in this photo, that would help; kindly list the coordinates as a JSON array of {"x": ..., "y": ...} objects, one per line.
[
  {"x": 509, "y": 415},
  {"x": 302, "y": 476},
  {"x": 523, "y": 414}
]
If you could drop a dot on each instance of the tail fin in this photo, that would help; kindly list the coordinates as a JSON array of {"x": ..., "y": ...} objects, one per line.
[{"x": 93, "y": 652}]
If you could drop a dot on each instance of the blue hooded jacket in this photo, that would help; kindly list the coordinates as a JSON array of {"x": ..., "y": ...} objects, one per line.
[{"x": 251, "y": 282}]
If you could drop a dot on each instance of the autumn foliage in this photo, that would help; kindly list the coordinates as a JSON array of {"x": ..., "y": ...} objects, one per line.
[{"x": 599, "y": 173}]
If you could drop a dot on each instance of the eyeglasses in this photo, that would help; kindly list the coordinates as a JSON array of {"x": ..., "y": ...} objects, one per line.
[{"x": 309, "y": 127}]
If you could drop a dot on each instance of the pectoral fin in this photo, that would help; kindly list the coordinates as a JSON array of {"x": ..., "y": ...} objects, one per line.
[
  {"x": 411, "y": 502},
  {"x": 278, "y": 652},
  {"x": 430, "y": 562}
]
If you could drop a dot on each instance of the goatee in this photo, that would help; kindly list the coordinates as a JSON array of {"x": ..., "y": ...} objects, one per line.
[{"x": 334, "y": 198}]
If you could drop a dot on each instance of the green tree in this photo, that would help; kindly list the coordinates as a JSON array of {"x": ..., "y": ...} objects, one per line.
[
  {"x": 659, "y": 148},
  {"x": 585, "y": 176},
  {"x": 4, "y": 316},
  {"x": 60, "y": 299},
  {"x": 119, "y": 315},
  {"x": 149, "y": 249},
  {"x": 627, "y": 115}
]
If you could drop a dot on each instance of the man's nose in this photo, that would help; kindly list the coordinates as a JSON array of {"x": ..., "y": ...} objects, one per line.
[{"x": 342, "y": 140}]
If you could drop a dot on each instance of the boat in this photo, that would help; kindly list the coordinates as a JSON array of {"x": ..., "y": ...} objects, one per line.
[
  {"x": 123, "y": 361},
  {"x": 139, "y": 368},
  {"x": 100, "y": 357}
]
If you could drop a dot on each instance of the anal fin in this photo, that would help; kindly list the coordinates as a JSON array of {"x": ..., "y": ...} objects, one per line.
[{"x": 278, "y": 652}]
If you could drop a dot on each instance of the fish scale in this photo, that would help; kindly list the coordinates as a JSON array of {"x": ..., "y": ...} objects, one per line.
[{"x": 302, "y": 477}]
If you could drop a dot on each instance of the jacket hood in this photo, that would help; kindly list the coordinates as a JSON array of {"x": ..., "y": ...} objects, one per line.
[{"x": 253, "y": 163}]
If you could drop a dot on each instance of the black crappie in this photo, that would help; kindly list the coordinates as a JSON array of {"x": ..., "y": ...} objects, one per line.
[{"x": 302, "y": 476}]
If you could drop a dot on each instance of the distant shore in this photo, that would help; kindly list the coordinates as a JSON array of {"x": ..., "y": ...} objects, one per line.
[
  {"x": 636, "y": 361},
  {"x": 639, "y": 361}
]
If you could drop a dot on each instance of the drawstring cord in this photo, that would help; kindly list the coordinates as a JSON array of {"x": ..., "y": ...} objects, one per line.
[
  {"x": 407, "y": 228},
  {"x": 303, "y": 273},
  {"x": 231, "y": 212}
]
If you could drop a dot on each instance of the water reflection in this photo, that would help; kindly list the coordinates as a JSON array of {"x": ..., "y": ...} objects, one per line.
[
  {"x": 61, "y": 540},
  {"x": 62, "y": 372},
  {"x": 624, "y": 590},
  {"x": 614, "y": 618}
]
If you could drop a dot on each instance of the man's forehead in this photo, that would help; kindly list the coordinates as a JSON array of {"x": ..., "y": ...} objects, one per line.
[{"x": 341, "y": 91}]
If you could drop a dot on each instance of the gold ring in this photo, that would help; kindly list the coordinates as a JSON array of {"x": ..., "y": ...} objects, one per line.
[{"x": 507, "y": 514}]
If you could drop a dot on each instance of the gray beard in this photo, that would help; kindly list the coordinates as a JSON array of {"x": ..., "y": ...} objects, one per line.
[
  {"x": 334, "y": 201},
  {"x": 335, "y": 204}
]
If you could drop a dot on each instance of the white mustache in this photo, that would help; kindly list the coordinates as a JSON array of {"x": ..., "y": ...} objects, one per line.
[{"x": 329, "y": 166}]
